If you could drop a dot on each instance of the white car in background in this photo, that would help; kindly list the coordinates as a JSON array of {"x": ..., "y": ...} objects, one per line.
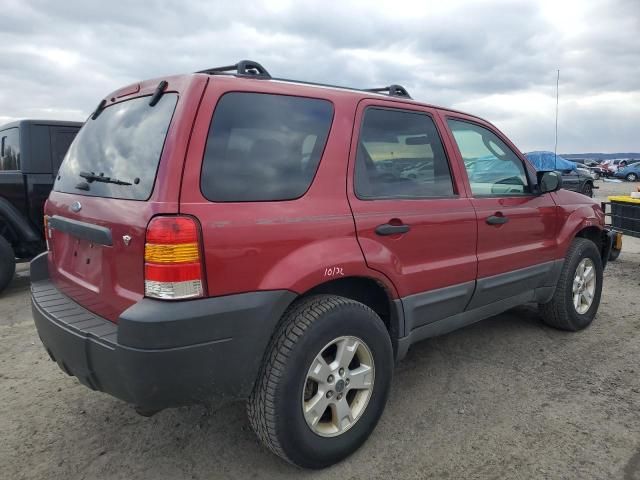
[{"x": 614, "y": 165}]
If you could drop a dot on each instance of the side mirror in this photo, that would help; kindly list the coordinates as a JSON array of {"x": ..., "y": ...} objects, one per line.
[{"x": 549, "y": 182}]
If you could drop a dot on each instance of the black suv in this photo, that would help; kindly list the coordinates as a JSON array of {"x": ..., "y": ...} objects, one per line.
[
  {"x": 580, "y": 180},
  {"x": 31, "y": 152}
]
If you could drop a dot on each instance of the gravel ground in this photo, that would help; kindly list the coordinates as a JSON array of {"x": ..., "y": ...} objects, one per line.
[{"x": 505, "y": 398}]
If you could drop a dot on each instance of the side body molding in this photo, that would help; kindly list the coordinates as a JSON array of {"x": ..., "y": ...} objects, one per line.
[
  {"x": 428, "y": 307},
  {"x": 429, "y": 314}
]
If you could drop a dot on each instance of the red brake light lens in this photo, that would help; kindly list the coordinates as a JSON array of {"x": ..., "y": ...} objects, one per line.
[
  {"x": 173, "y": 264},
  {"x": 169, "y": 273},
  {"x": 171, "y": 230}
]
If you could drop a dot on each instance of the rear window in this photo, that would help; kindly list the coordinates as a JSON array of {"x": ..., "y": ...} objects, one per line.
[
  {"x": 61, "y": 139},
  {"x": 264, "y": 147},
  {"x": 122, "y": 145},
  {"x": 10, "y": 149}
]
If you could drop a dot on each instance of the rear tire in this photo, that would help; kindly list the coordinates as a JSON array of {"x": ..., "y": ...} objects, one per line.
[
  {"x": 561, "y": 311},
  {"x": 282, "y": 407},
  {"x": 631, "y": 177},
  {"x": 7, "y": 263}
]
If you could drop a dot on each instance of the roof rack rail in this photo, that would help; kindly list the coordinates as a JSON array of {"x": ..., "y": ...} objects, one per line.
[
  {"x": 244, "y": 68},
  {"x": 251, "y": 69},
  {"x": 393, "y": 90}
]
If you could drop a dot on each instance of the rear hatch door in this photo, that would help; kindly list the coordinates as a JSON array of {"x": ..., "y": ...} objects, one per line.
[{"x": 123, "y": 168}]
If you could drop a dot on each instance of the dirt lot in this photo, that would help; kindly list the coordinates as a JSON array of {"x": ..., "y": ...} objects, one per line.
[{"x": 505, "y": 398}]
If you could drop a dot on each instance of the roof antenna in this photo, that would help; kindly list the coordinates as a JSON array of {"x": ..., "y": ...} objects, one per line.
[{"x": 555, "y": 150}]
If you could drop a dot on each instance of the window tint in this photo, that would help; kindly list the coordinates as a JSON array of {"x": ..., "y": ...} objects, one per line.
[
  {"x": 400, "y": 155},
  {"x": 264, "y": 147},
  {"x": 492, "y": 167},
  {"x": 10, "y": 149},
  {"x": 124, "y": 143}
]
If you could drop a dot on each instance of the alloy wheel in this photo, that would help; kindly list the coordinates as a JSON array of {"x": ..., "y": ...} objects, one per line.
[
  {"x": 338, "y": 386},
  {"x": 584, "y": 286}
]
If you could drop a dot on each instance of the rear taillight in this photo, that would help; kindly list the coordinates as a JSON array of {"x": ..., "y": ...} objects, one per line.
[{"x": 172, "y": 262}]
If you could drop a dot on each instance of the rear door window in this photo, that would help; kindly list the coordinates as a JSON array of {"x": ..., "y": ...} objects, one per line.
[
  {"x": 264, "y": 147},
  {"x": 400, "y": 155},
  {"x": 10, "y": 149},
  {"x": 123, "y": 146}
]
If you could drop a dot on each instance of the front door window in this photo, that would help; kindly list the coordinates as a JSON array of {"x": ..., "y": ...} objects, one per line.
[{"x": 493, "y": 169}]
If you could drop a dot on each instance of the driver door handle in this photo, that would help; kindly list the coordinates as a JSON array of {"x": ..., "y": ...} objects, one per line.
[
  {"x": 389, "y": 229},
  {"x": 497, "y": 219}
]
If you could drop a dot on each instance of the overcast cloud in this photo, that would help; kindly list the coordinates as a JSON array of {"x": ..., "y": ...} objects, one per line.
[{"x": 493, "y": 58}]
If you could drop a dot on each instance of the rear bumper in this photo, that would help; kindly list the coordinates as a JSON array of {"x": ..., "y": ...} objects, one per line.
[{"x": 160, "y": 354}]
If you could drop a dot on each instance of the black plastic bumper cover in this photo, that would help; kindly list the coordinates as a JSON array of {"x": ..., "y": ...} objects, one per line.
[{"x": 160, "y": 354}]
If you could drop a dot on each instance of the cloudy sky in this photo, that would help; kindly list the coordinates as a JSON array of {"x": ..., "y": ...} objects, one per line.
[{"x": 494, "y": 58}]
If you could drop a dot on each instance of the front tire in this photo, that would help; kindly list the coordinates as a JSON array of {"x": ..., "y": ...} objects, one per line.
[
  {"x": 577, "y": 296},
  {"x": 587, "y": 190},
  {"x": 7, "y": 263},
  {"x": 312, "y": 405}
]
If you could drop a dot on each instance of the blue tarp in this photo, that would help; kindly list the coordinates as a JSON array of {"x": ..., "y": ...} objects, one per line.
[{"x": 549, "y": 161}]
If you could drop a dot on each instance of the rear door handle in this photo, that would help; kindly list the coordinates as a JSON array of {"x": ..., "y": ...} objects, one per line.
[
  {"x": 497, "y": 220},
  {"x": 389, "y": 229}
]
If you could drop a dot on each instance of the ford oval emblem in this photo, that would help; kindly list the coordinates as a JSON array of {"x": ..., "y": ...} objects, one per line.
[{"x": 76, "y": 207}]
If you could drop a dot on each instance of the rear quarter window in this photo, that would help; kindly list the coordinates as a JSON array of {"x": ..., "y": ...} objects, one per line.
[{"x": 264, "y": 147}]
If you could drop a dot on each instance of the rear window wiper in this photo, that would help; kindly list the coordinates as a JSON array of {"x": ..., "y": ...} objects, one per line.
[{"x": 92, "y": 177}]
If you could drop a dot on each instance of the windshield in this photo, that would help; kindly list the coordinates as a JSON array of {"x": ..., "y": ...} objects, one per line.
[{"x": 123, "y": 145}]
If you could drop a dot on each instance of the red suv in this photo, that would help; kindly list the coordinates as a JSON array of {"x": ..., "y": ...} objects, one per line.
[{"x": 229, "y": 234}]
